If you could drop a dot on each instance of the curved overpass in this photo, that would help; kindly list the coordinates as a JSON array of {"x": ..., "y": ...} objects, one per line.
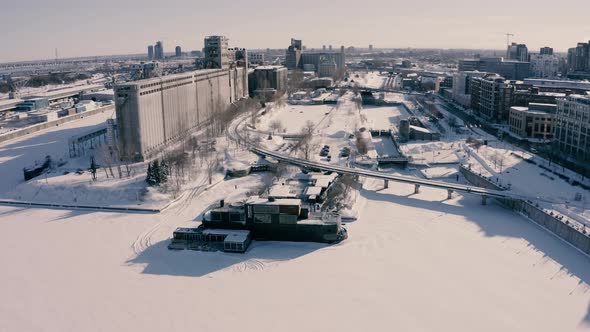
[{"x": 450, "y": 187}]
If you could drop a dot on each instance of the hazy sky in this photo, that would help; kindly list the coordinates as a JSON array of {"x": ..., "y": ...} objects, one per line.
[{"x": 32, "y": 29}]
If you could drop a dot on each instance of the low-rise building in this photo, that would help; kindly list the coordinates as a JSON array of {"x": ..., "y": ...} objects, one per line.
[{"x": 535, "y": 121}]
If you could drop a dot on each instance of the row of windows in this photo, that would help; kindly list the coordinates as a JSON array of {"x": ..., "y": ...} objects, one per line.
[
  {"x": 165, "y": 88},
  {"x": 145, "y": 86}
]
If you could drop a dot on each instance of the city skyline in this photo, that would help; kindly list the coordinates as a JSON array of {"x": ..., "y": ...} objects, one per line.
[{"x": 95, "y": 29}]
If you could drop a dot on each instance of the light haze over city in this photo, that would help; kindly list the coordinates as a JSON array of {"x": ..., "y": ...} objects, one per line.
[{"x": 32, "y": 29}]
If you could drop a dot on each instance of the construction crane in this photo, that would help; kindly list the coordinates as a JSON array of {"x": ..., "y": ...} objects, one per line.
[{"x": 508, "y": 34}]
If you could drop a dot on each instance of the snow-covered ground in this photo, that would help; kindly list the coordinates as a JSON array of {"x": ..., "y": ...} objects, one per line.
[
  {"x": 26, "y": 150},
  {"x": 411, "y": 263},
  {"x": 384, "y": 117},
  {"x": 501, "y": 163}
]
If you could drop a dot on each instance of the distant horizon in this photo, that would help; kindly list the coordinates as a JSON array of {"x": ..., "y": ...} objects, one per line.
[
  {"x": 275, "y": 49},
  {"x": 77, "y": 29}
]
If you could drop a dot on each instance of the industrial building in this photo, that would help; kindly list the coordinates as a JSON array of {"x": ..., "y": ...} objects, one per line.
[
  {"x": 32, "y": 104},
  {"x": 256, "y": 58},
  {"x": 268, "y": 82},
  {"x": 216, "y": 52},
  {"x": 510, "y": 69},
  {"x": 325, "y": 63},
  {"x": 535, "y": 121},
  {"x": 572, "y": 127},
  {"x": 153, "y": 113}
]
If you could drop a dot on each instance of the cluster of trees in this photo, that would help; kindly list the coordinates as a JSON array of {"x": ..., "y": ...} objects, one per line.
[
  {"x": 157, "y": 173},
  {"x": 338, "y": 195}
]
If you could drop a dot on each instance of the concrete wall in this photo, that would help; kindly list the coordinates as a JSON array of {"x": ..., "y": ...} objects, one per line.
[
  {"x": 38, "y": 127},
  {"x": 155, "y": 112},
  {"x": 558, "y": 227}
]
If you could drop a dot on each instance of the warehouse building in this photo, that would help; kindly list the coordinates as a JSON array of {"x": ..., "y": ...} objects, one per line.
[{"x": 153, "y": 113}]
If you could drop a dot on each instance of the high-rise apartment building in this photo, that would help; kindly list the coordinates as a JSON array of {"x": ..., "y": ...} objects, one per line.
[
  {"x": 293, "y": 60},
  {"x": 517, "y": 52},
  {"x": 491, "y": 97},
  {"x": 159, "y": 51},
  {"x": 545, "y": 65},
  {"x": 150, "y": 52},
  {"x": 578, "y": 59}
]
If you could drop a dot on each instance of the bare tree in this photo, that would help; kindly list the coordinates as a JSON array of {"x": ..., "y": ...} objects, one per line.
[
  {"x": 307, "y": 145},
  {"x": 362, "y": 145},
  {"x": 295, "y": 82},
  {"x": 276, "y": 126}
]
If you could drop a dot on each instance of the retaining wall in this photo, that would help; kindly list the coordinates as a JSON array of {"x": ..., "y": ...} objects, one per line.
[
  {"x": 566, "y": 231},
  {"x": 38, "y": 127}
]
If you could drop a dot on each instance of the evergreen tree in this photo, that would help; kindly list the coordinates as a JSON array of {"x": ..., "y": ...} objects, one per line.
[
  {"x": 150, "y": 179},
  {"x": 93, "y": 168},
  {"x": 164, "y": 171},
  {"x": 157, "y": 172}
]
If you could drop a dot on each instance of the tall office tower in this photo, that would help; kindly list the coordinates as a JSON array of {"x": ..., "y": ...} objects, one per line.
[
  {"x": 517, "y": 52},
  {"x": 178, "y": 51},
  {"x": 293, "y": 57},
  {"x": 324, "y": 48},
  {"x": 151, "y": 52},
  {"x": 371, "y": 48},
  {"x": 330, "y": 48},
  {"x": 159, "y": 51},
  {"x": 546, "y": 50},
  {"x": 579, "y": 58},
  {"x": 216, "y": 52}
]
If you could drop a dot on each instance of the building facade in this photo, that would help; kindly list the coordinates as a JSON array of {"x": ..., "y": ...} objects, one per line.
[
  {"x": 256, "y": 58},
  {"x": 268, "y": 82},
  {"x": 535, "y": 121},
  {"x": 579, "y": 58},
  {"x": 153, "y": 113},
  {"x": 159, "y": 51},
  {"x": 216, "y": 52},
  {"x": 293, "y": 56},
  {"x": 572, "y": 127},
  {"x": 151, "y": 52},
  {"x": 510, "y": 69},
  {"x": 545, "y": 65},
  {"x": 462, "y": 88},
  {"x": 491, "y": 97},
  {"x": 178, "y": 51},
  {"x": 518, "y": 52}
]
